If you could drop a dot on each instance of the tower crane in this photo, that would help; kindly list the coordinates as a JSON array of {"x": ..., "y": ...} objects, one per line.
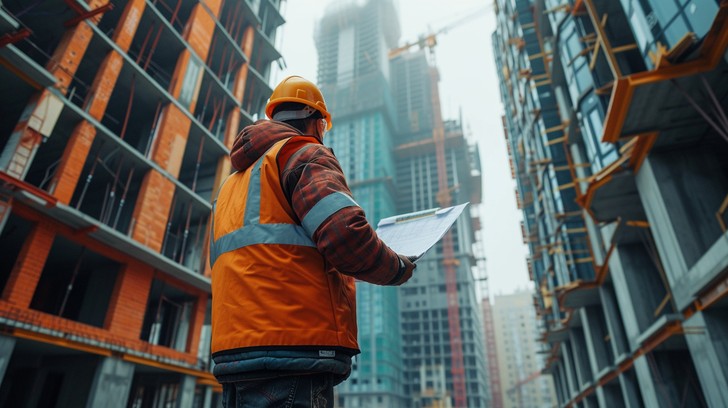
[{"x": 444, "y": 199}]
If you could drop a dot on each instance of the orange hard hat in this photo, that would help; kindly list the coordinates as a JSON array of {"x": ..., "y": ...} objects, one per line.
[{"x": 299, "y": 90}]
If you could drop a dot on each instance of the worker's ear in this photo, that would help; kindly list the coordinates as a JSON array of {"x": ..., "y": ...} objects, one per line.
[{"x": 322, "y": 127}]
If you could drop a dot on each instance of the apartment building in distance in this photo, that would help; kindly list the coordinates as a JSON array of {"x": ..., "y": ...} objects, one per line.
[
  {"x": 517, "y": 334},
  {"x": 615, "y": 119},
  {"x": 114, "y": 131}
]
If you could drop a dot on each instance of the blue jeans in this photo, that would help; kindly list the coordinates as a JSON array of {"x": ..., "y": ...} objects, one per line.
[{"x": 294, "y": 391}]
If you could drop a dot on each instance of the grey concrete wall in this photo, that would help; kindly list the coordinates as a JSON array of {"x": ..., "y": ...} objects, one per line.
[
  {"x": 570, "y": 369},
  {"x": 610, "y": 395},
  {"x": 709, "y": 350},
  {"x": 111, "y": 385},
  {"x": 662, "y": 228},
  {"x": 613, "y": 319},
  {"x": 584, "y": 371},
  {"x": 78, "y": 374},
  {"x": 594, "y": 332},
  {"x": 647, "y": 386},
  {"x": 187, "y": 392},
  {"x": 7, "y": 345},
  {"x": 692, "y": 186},
  {"x": 630, "y": 391},
  {"x": 623, "y": 296}
]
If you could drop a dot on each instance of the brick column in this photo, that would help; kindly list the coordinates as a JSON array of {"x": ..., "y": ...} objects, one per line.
[
  {"x": 129, "y": 301},
  {"x": 74, "y": 157},
  {"x": 28, "y": 267},
  {"x": 154, "y": 202},
  {"x": 196, "y": 323}
]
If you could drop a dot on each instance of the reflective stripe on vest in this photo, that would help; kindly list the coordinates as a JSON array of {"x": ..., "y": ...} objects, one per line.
[{"x": 253, "y": 232}]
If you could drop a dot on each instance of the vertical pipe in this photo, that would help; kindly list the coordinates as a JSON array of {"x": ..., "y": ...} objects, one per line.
[
  {"x": 89, "y": 177},
  {"x": 128, "y": 106},
  {"x": 123, "y": 197},
  {"x": 69, "y": 288},
  {"x": 214, "y": 114},
  {"x": 197, "y": 238},
  {"x": 212, "y": 53},
  {"x": 112, "y": 193},
  {"x": 222, "y": 61},
  {"x": 144, "y": 43},
  {"x": 176, "y": 240},
  {"x": 169, "y": 224},
  {"x": 153, "y": 47},
  {"x": 185, "y": 235},
  {"x": 154, "y": 128},
  {"x": 197, "y": 165},
  {"x": 207, "y": 99},
  {"x": 230, "y": 65},
  {"x": 174, "y": 14}
]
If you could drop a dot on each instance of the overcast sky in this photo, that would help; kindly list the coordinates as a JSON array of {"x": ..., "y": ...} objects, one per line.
[{"x": 468, "y": 81}]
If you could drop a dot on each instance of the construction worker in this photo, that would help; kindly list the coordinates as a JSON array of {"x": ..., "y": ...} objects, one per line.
[{"x": 287, "y": 242}]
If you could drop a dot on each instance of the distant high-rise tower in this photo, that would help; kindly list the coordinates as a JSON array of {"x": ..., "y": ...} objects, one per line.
[
  {"x": 520, "y": 364},
  {"x": 424, "y": 307},
  {"x": 353, "y": 40}
]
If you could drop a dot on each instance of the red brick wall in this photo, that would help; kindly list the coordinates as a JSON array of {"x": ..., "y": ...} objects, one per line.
[{"x": 28, "y": 267}]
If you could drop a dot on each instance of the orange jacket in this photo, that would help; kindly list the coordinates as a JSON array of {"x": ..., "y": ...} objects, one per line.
[{"x": 270, "y": 286}]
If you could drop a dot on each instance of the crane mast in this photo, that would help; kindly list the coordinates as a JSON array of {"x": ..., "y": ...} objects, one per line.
[
  {"x": 444, "y": 199},
  {"x": 449, "y": 262}
]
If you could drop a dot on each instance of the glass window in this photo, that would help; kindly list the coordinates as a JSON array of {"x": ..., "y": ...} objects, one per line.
[
  {"x": 700, "y": 14},
  {"x": 639, "y": 23},
  {"x": 665, "y": 10},
  {"x": 675, "y": 31}
]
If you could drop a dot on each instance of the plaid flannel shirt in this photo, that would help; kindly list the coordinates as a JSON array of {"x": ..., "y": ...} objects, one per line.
[{"x": 346, "y": 240}]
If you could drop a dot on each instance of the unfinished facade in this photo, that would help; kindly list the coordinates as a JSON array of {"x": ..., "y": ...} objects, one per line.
[
  {"x": 517, "y": 331},
  {"x": 383, "y": 137},
  {"x": 432, "y": 339},
  {"x": 616, "y": 126},
  {"x": 114, "y": 132}
]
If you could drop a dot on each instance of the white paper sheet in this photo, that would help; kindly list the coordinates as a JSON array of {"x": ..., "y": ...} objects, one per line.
[{"x": 414, "y": 233}]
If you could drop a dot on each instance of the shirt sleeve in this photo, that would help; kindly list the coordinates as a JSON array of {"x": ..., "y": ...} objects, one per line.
[{"x": 344, "y": 237}]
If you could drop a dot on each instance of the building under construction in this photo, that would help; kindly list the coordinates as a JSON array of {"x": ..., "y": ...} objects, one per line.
[
  {"x": 422, "y": 344},
  {"x": 114, "y": 131},
  {"x": 615, "y": 119},
  {"x": 443, "y": 345}
]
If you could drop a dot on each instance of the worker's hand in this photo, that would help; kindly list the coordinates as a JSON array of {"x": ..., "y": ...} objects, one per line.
[{"x": 406, "y": 266}]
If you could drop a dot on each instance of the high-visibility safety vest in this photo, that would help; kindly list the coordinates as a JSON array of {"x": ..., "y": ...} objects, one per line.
[{"x": 270, "y": 286}]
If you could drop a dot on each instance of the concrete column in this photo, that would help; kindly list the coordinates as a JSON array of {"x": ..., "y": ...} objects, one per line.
[
  {"x": 661, "y": 224},
  {"x": 708, "y": 353},
  {"x": 112, "y": 383},
  {"x": 186, "y": 392},
  {"x": 571, "y": 381},
  {"x": 558, "y": 377},
  {"x": 594, "y": 336},
  {"x": 7, "y": 344},
  {"x": 581, "y": 359},
  {"x": 207, "y": 399},
  {"x": 630, "y": 392},
  {"x": 613, "y": 319},
  {"x": 609, "y": 395},
  {"x": 624, "y": 299},
  {"x": 647, "y": 385}
]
